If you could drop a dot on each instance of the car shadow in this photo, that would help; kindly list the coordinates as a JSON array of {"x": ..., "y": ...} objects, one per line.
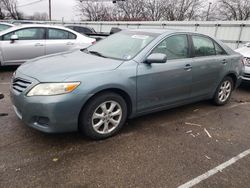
[
  {"x": 8, "y": 68},
  {"x": 245, "y": 86},
  {"x": 132, "y": 126}
]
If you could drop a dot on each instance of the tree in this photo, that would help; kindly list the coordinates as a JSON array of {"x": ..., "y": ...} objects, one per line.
[
  {"x": 132, "y": 10},
  {"x": 39, "y": 16},
  {"x": 233, "y": 9},
  {"x": 94, "y": 11},
  {"x": 179, "y": 10},
  {"x": 9, "y": 8},
  {"x": 155, "y": 9}
]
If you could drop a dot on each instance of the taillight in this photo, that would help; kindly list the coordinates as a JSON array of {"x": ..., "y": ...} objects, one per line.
[{"x": 93, "y": 42}]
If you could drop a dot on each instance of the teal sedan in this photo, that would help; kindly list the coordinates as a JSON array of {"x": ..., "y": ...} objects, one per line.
[{"x": 129, "y": 74}]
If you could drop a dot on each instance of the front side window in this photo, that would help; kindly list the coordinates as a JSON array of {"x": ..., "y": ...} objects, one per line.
[
  {"x": 60, "y": 34},
  {"x": 123, "y": 45},
  {"x": 27, "y": 34},
  {"x": 203, "y": 46},
  {"x": 175, "y": 47}
]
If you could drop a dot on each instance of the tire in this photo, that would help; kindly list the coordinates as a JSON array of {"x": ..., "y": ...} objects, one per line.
[
  {"x": 224, "y": 91},
  {"x": 103, "y": 116}
]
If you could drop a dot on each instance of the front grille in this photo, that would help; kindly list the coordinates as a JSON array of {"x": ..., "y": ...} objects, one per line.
[
  {"x": 247, "y": 75},
  {"x": 19, "y": 85}
]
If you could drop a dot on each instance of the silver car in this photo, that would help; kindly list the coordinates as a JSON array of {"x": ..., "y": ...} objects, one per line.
[
  {"x": 129, "y": 74},
  {"x": 21, "y": 43},
  {"x": 245, "y": 51}
]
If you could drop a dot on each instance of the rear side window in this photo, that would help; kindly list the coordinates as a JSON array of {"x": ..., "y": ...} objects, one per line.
[
  {"x": 27, "y": 34},
  {"x": 60, "y": 34},
  {"x": 203, "y": 46},
  {"x": 175, "y": 47}
]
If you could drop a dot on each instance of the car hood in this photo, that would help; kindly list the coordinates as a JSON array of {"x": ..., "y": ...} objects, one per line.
[
  {"x": 245, "y": 51},
  {"x": 58, "y": 67}
]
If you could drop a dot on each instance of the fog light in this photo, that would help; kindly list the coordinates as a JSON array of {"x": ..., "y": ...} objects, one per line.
[{"x": 44, "y": 121}]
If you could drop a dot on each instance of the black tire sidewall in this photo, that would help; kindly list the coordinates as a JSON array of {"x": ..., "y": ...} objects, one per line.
[
  {"x": 216, "y": 96},
  {"x": 85, "y": 124}
]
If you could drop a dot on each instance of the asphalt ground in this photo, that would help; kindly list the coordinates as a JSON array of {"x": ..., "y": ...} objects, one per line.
[{"x": 164, "y": 149}]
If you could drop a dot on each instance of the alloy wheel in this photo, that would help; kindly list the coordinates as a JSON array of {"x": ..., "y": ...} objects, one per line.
[
  {"x": 224, "y": 91},
  {"x": 107, "y": 117}
]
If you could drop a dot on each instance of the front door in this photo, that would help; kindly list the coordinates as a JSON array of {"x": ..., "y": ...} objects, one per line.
[
  {"x": 164, "y": 84},
  {"x": 30, "y": 44}
]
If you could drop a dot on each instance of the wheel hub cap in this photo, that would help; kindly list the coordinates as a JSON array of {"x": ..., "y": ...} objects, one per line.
[
  {"x": 225, "y": 90},
  {"x": 106, "y": 117}
]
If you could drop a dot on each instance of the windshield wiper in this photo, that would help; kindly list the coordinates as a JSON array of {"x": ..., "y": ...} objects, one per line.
[{"x": 97, "y": 53}]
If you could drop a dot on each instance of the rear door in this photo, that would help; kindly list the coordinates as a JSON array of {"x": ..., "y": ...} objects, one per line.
[
  {"x": 59, "y": 40},
  {"x": 210, "y": 62},
  {"x": 164, "y": 84},
  {"x": 31, "y": 44}
]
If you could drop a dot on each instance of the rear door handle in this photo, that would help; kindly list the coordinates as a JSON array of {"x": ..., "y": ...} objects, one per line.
[
  {"x": 70, "y": 43},
  {"x": 39, "y": 44},
  {"x": 187, "y": 67},
  {"x": 224, "y": 61}
]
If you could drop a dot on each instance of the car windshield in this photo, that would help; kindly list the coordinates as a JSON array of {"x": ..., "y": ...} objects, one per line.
[{"x": 123, "y": 45}]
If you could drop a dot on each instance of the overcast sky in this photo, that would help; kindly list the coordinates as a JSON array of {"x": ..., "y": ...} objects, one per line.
[{"x": 60, "y": 8}]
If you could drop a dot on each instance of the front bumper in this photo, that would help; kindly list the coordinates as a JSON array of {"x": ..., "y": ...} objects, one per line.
[
  {"x": 246, "y": 74},
  {"x": 51, "y": 114}
]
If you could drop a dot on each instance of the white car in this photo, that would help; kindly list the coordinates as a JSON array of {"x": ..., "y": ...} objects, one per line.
[
  {"x": 245, "y": 51},
  {"x": 21, "y": 43}
]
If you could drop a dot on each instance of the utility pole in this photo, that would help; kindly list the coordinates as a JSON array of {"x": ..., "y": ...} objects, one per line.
[
  {"x": 49, "y": 10},
  {"x": 208, "y": 10}
]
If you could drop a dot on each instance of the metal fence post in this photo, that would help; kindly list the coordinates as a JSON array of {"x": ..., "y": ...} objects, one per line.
[
  {"x": 239, "y": 38},
  {"x": 216, "y": 29},
  {"x": 196, "y": 26}
]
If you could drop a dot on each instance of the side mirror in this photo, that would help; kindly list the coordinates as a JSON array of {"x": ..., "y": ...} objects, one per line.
[
  {"x": 13, "y": 38},
  {"x": 156, "y": 58},
  {"x": 247, "y": 44}
]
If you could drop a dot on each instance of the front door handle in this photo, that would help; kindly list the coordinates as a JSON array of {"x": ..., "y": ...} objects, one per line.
[
  {"x": 187, "y": 67},
  {"x": 38, "y": 44},
  {"x": 70, "y": 43},
  {"x": 224, "y": 61}
]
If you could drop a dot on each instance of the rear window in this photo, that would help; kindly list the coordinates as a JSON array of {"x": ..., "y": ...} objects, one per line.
[
  {"x": 203, "y": 46},
  {"x": 60, "y": 34}
]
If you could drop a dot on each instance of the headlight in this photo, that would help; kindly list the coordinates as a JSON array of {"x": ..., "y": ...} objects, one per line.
[{"x": 46, "y": 89}]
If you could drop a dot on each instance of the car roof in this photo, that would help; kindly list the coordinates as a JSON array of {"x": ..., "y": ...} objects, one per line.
[
  {"x": 5, "y": 23},
  {"x": 36, "y": 25},
  {"x": 78, "y": 25},
  {"x": 162, "y": 31}
]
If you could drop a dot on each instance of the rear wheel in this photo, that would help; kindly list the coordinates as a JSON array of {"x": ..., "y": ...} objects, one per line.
[
  {"x": 224, "y": 91},
  {"x": 103, "y": 116}
]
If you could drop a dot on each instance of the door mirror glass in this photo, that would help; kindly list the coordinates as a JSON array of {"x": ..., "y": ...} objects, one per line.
[
  {"x": 156, "y": 58},
  {"x": 13, "y": 38}
]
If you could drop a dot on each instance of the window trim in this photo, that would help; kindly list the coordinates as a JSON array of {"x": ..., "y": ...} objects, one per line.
[
  {"x": 204, "y": 36},
  {"x": 166, "y": 37},
  {"x": 44, "y": 37},
  {"x": 47, "y": 34}
]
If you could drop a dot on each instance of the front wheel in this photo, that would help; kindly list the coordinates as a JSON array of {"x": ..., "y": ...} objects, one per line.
[
  {"x": 224, "y": 91},
  {"x": 103, "y": 116}
]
